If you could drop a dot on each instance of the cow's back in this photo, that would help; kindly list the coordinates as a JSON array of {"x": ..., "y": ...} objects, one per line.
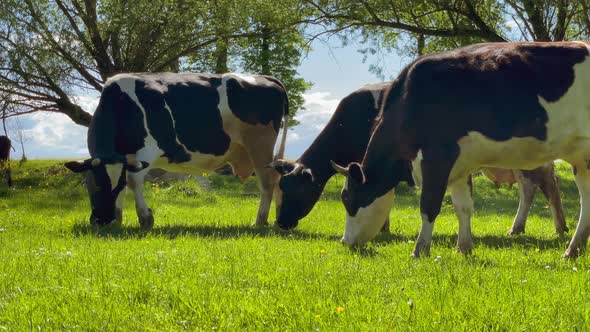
[{"x": 345, "y": 137}]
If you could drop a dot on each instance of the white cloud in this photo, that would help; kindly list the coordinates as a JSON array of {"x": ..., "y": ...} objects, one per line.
[{"x": 54, "y": 135}]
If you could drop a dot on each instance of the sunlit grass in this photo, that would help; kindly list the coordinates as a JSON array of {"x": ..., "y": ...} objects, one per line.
[{"x": 205, "y": 267}]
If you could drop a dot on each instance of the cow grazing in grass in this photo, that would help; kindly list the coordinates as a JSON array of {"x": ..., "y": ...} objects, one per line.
[
  {"x": 5, "y": 171},
  {"x": 184, "y": 123},
  {"x": 344, "y": 140},
  {"x": 508, "y": 105}
]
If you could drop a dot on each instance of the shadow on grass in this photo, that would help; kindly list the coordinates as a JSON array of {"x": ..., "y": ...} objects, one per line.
[
  {"x": 244, "y": 231},
  {"x": 489, "y": 241},
  {"x": 208, "y": 231}
]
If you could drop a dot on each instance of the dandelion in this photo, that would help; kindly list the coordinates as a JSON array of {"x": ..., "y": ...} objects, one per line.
[
  {"x": 575, "y": 269},
  {"x": 547, "y": 267},
  {"x": 317, "y": 317},
  {"x": 339, "y": 309},
  {"x": 323, "y": 251},
  {"x": 438, "y": 258}
]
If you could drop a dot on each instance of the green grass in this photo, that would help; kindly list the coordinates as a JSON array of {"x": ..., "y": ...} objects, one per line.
[{"x": 204, "y": 267}]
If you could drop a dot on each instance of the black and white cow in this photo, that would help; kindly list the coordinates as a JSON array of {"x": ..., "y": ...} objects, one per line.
[
  {"x": 5, "y": 171},
  {"x": 184, "y": 123},
  {"x": 509, "y": 105},
  {"x": 344, "y": 140}
]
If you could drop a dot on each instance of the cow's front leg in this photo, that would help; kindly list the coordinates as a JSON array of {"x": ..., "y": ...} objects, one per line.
[
  {"x": 463, "y": 205},
  {"x": 119, "y": 204},
  {"x": 386, "y": 226},
  {"x": 526, "y": 191},
  {"x": 580, "y": 238},
  {"x": 144, "y": 213},
  {"x": 436, "y": 167},
  {"x": 267, "y": 179}
]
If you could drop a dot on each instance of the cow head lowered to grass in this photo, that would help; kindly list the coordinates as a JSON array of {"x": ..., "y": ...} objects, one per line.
[
  {"x": 105, "y": 179},
  {"x": 344, "y": 139}
]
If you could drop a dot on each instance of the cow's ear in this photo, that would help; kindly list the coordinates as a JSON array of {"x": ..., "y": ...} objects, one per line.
[
  {"x": 355, "y": 172},
  {"x": 307, "y": 173},
  {"x": 79, "y": 166},
  {"x": 282, "y": 166},
  {"x": 137, "y": 167}
]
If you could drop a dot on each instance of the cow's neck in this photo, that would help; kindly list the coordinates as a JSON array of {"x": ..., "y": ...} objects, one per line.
[{"x": 317, "y": 158}]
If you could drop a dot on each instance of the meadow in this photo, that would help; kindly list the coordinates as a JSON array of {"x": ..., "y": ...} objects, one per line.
[{"x": 204, "y": 267}]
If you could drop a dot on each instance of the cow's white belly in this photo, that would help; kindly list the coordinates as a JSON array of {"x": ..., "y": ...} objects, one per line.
[{"x": 199, "y": 163}]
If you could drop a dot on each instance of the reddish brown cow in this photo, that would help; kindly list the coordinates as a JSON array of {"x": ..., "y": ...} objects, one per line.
[{"x": 528, "y": 181}]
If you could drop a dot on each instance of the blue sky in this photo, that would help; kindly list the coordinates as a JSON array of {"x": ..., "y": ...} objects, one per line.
[{"x": 335, "y": 71}]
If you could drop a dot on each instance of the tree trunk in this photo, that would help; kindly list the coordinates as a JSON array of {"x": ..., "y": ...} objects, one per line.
[
  {"x": 221, "y": 56},
  {"x": 75, "y": 112},
  {"x": 265, "y": 52}
]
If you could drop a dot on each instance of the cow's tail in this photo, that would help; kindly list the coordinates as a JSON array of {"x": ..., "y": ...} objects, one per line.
[{"x": 281, "y": 152}]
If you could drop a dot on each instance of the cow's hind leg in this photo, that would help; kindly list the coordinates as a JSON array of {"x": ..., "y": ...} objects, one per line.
[
  {"x": 578, "y": 241},
  {"x": 259, "y": 146},
  {"x": 550, "y": 188},
  {"x": 436, "y": 167},
  {"x": 144, "y": 213},
  {"x": 526, "y": 191},
  {"x": 463, "y": 205}
]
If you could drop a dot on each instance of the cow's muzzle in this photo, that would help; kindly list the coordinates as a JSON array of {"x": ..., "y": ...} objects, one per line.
[
  {"x": 287, "y": 224},
  {"x": 96, "y": 221}
]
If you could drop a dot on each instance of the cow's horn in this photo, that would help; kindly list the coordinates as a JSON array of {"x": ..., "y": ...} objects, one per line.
[
  {"x": 298, "y": 167},
  {"x": 95, "y": 162},
  {"x": 339, "y": 169}
]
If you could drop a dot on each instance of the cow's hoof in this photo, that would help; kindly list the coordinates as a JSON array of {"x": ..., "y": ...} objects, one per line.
[
  {"x": 118, "y": 217},
  {"x": 465, "y": 249},
  {"x": 260, "y": 224},
  {"x": 421, "y": 249},
  {"x": 147, "y": 222},
  {"x": 561, "y": 231},
  {"x": 385, "y": 228},
  {"x": 516, "y": 230},
  {"x": 573, "y": 251},
  {"x": 570, "y": 254}
]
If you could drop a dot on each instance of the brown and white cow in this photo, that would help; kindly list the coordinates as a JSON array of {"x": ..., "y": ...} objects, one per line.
[
  {"x": 543, "y": 177},
  {"x": 5, "y": 171},
  {"x": 185, "y": 123},
  {"x": 508, "y": 105},
  {"x": 344, "y": 140}
]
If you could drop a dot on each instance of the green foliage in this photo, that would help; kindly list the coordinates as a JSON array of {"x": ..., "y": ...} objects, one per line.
[
  {"x": 52, "y": 49},
  {"x": 205, "y": 267},
  {"x": 416, "y": 27}
]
